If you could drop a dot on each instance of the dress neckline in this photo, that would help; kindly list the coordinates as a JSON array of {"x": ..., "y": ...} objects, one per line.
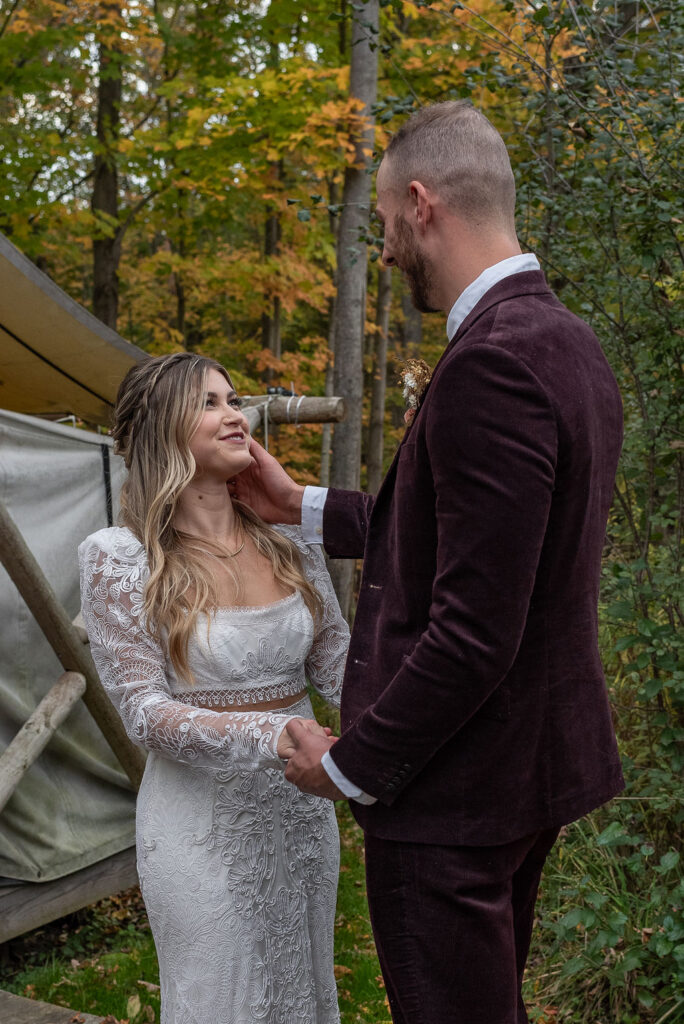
[{"x": 257, "y": 607}]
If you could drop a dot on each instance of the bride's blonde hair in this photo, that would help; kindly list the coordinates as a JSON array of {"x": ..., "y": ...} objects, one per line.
[{"x": 158, "y": 408}]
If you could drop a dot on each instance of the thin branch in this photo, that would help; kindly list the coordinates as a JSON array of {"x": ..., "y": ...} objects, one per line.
[{"x": 9, "y": 17}]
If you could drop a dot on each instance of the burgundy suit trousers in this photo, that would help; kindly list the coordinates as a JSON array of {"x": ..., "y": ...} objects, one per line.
[{"x": 452, "y": 926}]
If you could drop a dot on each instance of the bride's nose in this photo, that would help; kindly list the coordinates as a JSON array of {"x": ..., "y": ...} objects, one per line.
[{"x": 234, "y": 415}]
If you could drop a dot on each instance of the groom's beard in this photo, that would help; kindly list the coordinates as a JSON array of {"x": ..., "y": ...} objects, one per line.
[{"x": 415, "y": 265}]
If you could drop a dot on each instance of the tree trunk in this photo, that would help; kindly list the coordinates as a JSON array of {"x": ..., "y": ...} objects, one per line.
[
  {"x": 270, "y": 322},
  {"x": 326, "y": 433},
  {"x": 270, "y": 319},
  {"x": 105, "y": 198},
  {"x": 350, "y": 308},
  {"x": 379, "y": 385}
]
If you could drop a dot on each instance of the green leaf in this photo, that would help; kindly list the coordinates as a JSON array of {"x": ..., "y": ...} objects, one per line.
[
  {"x": 669, "y": 860},
  {"x": 632, "y": 960},
  {"x": 626, "y": 641},
  {"x": 620, "y": 610},
  {"x": 573, "y": 966},
  {"x": 651, "y": 687},
  {"x": 614, "y": 835}
]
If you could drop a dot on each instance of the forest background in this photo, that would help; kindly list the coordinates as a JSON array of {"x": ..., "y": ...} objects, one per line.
[{"x": 198, "y": 172}]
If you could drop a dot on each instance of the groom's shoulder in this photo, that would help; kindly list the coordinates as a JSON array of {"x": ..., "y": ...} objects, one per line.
[{"x": 523, "y": 317}]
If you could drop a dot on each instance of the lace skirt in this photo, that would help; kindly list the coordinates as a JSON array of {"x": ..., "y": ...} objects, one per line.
[{"x": 239, "y": 871}]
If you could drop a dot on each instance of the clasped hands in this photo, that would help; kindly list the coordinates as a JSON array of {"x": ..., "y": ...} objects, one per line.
[{"x": 302, "y": 744}]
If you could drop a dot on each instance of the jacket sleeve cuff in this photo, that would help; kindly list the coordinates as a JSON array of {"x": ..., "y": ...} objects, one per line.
[{"x": 345, "y": 786}]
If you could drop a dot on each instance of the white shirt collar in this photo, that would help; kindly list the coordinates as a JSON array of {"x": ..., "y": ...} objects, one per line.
[{"x": 469, "y": 298}]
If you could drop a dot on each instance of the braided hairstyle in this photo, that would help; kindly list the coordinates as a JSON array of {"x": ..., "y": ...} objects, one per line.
[{"x": 159, "y": 406}]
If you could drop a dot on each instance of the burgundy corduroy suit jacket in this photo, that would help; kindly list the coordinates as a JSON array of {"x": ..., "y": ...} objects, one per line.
[{"x": 474, "y": 703}]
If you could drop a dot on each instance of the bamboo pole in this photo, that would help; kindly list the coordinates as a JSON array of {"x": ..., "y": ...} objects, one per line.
[
  {"x": 37, "y": 731},
  {"x": 31, "y": 583}
]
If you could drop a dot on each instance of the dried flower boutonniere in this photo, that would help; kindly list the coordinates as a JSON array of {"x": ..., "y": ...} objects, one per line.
[{"x": 414, "y": 378}]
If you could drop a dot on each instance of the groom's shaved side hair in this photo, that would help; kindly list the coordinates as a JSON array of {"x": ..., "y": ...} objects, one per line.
[{"x": 453, "y": 149}]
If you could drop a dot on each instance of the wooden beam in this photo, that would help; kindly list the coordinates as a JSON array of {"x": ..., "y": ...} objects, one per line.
[
  {"x": 31, "y": 583},
  {"x": 28, "y": 905},
  {"x": 18, "y": 1010},
  {"x": 297, "y": 408},
  {"x": 37, "y": 731}
]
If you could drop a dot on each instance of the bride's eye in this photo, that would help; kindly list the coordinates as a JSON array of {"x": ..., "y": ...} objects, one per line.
[{"x": 236, "y": 402}]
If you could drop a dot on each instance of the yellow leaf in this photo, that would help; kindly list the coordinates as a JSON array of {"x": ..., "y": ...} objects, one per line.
[{"x": 133, "y": 1006}]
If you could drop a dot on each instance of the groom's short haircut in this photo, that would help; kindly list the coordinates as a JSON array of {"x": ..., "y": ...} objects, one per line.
[{"x": 453, "y": 149}]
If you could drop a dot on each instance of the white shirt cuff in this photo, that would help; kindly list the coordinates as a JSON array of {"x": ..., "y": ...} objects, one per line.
[
  {"x": 351, "y": 791},
  {"x": 313, "y": 501}
]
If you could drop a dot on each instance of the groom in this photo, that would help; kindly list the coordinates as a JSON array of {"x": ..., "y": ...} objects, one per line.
[{"x": 475, "y": 721}]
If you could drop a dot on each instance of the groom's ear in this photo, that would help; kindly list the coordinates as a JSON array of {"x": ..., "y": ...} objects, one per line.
[{"x": 422, "y": 203}]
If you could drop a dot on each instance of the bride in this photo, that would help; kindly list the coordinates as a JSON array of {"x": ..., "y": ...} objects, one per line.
[{"x": 205, "y": 624}]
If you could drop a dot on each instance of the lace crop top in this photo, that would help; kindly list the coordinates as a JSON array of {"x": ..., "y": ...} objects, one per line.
[{"x": 238, "y": 655}]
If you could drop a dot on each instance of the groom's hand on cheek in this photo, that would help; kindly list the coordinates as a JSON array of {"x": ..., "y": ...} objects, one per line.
[{"x": 304, "y": 767}]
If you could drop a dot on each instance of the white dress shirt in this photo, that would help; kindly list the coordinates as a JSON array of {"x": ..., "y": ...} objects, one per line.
[{"x": 314, "y": 497}]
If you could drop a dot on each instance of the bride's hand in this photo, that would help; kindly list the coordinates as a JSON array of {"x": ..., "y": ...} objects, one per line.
[{"x": 286, "y": 747}]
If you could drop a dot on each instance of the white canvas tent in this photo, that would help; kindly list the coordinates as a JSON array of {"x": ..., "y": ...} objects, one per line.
[
  {"x": 66, "y": 833},
  {"x": 55, "y": 357},
  {"x": 74, "y": 806}
]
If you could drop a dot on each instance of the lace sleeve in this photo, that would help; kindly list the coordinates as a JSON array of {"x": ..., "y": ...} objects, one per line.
[
  {"x": 326, "y": 661},
  {"x": 132, "y": 668}
]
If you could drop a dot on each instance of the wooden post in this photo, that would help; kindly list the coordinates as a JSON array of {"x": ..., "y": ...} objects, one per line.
[
  {"x": 31, "y": 583},
  {"x": 297, "y": 408},
  {"x": 37, "y": 731}
]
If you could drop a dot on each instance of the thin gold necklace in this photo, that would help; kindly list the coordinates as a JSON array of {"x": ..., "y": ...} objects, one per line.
[
  {"x": 228, "y": 554},
  {"x": 232, "y": 554}
]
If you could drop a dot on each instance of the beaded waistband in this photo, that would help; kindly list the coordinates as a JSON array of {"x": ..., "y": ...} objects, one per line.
[{"x": 252, "y": 695}]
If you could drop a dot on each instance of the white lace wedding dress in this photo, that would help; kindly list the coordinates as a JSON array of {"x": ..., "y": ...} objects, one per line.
[{"x": 238, "y": 869}]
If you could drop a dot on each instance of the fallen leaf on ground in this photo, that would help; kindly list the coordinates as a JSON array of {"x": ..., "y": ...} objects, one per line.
[{"x": 133, "y": 1006}]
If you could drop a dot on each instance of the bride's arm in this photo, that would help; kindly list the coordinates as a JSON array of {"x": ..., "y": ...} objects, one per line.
[{"x": 132, "y": 668}]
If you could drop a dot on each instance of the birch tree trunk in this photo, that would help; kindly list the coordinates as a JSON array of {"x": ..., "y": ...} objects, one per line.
[{"x": 352, "y": 259}]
